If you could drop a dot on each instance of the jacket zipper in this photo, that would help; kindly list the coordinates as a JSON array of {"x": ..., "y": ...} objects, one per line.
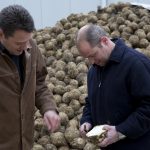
[
  {"x": 100, "y": 77},
  {"x": 99, "y": 84}
]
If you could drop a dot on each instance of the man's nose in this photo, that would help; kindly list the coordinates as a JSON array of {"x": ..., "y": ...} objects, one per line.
[{"x": 24, "y": 46}]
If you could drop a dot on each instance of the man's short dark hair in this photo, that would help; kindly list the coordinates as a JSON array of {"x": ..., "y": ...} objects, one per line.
[{"x": 15, "y": 17}]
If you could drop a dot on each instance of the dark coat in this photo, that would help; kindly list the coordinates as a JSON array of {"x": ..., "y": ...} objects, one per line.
[
  {"x": 119, "y": 94},
  {"x": 17, "y": 104}
]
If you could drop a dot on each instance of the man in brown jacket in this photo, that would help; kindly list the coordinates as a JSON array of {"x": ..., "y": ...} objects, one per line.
[{"x": 22, "y": 81}]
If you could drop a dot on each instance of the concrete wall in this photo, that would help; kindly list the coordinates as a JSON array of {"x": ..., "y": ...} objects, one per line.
[
  {"x": 131, "y": 1},
  {"x": 48, "y": 12}
]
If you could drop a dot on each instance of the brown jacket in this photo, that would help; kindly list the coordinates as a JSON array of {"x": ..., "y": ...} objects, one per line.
[{"x": 17, "y": 106}]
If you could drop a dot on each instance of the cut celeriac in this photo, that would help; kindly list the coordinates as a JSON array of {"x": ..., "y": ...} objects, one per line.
[{"x": 97, "y": 134}]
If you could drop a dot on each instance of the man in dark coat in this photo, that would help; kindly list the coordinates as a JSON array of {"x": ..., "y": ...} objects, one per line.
[{"x": 118, "y": 90}]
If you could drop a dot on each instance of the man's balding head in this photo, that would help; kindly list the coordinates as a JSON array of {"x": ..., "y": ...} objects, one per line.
[{"x": 90, "y": 33}]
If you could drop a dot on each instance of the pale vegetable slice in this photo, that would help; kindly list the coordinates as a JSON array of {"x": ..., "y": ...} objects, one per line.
[
  {"x": 97, "y": 134},
  {"x": 96, "y": 131}
]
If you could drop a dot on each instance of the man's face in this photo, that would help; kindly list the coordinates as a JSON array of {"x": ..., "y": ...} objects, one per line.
[
  {"x": 16, "y": 43},
  {"x": 96, "y": 55}
]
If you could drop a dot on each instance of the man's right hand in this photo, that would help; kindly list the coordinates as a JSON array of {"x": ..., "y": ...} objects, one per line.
[{"x": 84, "y": 128}]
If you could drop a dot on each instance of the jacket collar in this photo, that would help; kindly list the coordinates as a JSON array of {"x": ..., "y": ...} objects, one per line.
[
  {"x": 3, "y": 49},
  {"x": 118, "y": 50}
]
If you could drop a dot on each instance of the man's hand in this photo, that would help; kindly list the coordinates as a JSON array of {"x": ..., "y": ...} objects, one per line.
[
  {"x": 84, "y": 128},
  {"x": 52, "y": 120},
  {"x": 111, "y": 137}
]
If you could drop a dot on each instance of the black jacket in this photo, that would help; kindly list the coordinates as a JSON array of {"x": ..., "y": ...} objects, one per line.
[{"x": 119, "y": 94}]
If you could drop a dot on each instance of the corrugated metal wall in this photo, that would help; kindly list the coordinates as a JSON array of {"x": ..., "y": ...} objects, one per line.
[{"x": 48, "y": 12}]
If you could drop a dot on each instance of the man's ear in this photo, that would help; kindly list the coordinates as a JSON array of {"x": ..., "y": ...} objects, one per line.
[{"x": 104, "y": 40}]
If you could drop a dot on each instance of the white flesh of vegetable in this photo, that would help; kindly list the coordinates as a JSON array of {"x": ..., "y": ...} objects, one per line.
[{"x": 96, "y": 131}]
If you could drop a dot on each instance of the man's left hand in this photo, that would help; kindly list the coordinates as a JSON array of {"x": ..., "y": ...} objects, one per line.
[
  {"x": 52, "y": 120},
  {"x": 111, "y": 137}
]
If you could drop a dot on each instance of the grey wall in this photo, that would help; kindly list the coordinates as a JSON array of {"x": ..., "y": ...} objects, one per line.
[
  {"x": 134, "y": 1},
  {"x": 48, "y": 12}
]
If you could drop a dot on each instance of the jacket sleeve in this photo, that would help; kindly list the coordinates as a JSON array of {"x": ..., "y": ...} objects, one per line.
[
  {"x": 43, "y": 96},
  {"x": 86, "y": 116},
  {"x": 138, "y": 123}
]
